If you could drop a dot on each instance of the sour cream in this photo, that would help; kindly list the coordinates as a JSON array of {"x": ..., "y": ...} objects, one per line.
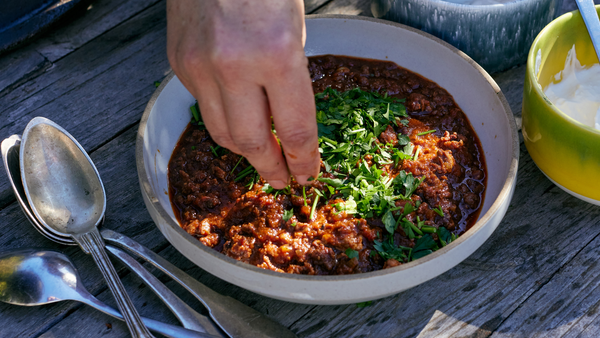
[
  {"x": 576, "y": 91},
  {"x": 480, "y": 2}
]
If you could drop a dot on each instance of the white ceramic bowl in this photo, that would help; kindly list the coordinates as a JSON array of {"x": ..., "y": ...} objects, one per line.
[{"x": 167, "y": 115}]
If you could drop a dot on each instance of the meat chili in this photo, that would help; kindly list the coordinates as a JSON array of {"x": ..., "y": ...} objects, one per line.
[{"x": 402, "y": 175}]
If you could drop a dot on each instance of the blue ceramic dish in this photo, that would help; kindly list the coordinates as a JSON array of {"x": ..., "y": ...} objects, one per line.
[{"x": 497, "y": 37}]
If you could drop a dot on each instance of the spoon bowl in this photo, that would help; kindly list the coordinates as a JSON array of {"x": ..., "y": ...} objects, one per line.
[
  {"x": 36, "y": 278},
  {"x": 10, "y": 156},
  {"x": 30, "y": 278},
  {"x": 61, "y": 183}
]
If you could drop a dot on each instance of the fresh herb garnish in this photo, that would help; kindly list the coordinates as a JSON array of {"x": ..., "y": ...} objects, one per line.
[
  {"x": 364, "y": 304},
  {"x": 351, "y": 253},
  {"x": 196, "y": 113},
  {"x": 236, "y": 165},
  {"x": 424, "y": 246},
  {"x": 314, "y": 207},
  {"x": 304, "y": 196},
  {"x": 287, "y": 215},
  {"x": 364, "y": 171},
  {"x": 247, "y": 171},
  {"x": 356, "y": 167},
  {"x": 214, "y": 150},
  {"x": 426, "y": 132}
]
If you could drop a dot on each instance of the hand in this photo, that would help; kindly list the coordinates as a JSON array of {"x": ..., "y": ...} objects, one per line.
[{"x": 244, "y": 61}]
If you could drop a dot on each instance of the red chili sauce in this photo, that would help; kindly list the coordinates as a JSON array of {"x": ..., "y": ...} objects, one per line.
[{"x": 240, "y": 220}]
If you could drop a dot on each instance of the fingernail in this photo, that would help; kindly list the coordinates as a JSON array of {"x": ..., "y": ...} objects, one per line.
[
  {"x": 277, "y": 184},
  {"x": 302, "y": 179}
]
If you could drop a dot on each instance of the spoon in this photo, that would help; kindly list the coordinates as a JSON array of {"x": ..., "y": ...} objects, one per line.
[
  {"x": 590, "y": 18},
  {"x": 30, "y": 277},
  {"x": 66, "y": 195}
]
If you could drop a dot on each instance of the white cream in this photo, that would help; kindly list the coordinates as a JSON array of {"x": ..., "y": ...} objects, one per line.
[
  {"x": 480, "y": 2},
  {"x": 576, "y": 91}
]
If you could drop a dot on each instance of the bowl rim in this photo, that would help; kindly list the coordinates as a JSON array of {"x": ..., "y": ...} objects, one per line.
[
  {"x": 505, "y": 192},
  {"x": 530, "y": 68},
  {"x": 491, "y": 7}
]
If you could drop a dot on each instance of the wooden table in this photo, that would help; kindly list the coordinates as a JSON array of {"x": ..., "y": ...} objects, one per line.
[{"x": 536, "y": 276}]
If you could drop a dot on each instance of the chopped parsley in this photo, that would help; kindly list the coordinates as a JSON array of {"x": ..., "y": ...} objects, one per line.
[
  {"x": 351, "y": 253},
  {"x": 439, "y": 210},
  {"x": 364, "y": 171},
  {"x": 287, "y": 215},
  {"x": 426, "y": 132},
  {"x": 358, "y": 167}
]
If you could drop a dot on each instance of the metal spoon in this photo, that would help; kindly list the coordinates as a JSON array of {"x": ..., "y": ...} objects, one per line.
[
  {"x": 590, "y": 17},
  {"x": 66, "y": 195},
  {"x": 30, "y": 277}
]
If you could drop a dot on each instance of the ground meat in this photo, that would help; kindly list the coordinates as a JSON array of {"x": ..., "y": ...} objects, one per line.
[{"x": 239, "y": 217}]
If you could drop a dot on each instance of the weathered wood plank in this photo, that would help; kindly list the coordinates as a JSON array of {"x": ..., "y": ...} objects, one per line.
[
  {"x": 17, "y": 65},
  {"x": 311, "y": 5},
  {"x": 511, "y": 82},
  {"x": 97, "y": 91},
  {"x": 100, "y": 16}
]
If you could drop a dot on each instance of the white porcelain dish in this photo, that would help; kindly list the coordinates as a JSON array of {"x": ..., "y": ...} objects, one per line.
[{"x": 167, "y": 115}]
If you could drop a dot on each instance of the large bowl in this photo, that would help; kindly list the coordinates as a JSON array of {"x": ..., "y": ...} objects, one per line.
[
  {"x": 496, "y": 36},
  {"x": 565, "y": 150},
  {"x": 167, "y": 114}
]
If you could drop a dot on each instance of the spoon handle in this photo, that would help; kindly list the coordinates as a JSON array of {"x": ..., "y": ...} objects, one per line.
[
  {"x": 92, "y": 243},
  {"x": 590, "y": 18},
  {"x": 235, "y": 318},
  {"x": 166, "y": 330},
  {"x": 189, "y": 318}
]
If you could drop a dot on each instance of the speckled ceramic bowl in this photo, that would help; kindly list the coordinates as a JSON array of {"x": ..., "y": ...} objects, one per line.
[
  {"x": 566, "y": 150},
  {"x": 495, "y": 36},
  {"x": 478, "y": 95}
]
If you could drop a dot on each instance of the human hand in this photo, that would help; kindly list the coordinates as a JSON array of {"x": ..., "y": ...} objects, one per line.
[{"x": 243, "y": 60}]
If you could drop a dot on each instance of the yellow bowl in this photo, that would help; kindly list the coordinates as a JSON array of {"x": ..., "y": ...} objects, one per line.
[{"x": 565, "y": 150}]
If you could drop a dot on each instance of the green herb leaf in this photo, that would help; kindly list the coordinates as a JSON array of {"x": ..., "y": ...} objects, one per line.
[
  {"x": 351, "y": 253},
  {"x": 389, "y": 222},
  {"x": 334, "y": 182},
  {"x": 424, "y": 246},
  {"x": 287, "y": 215},
  {"x": 195, "y": 113},
  {"x": 426, "y": 132},
  {"x": 364, "y": 304},
  {"x": 439, "y": 211},
  {"x": 387, "y": 250},
  {"x": 445, "y": 236}
]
